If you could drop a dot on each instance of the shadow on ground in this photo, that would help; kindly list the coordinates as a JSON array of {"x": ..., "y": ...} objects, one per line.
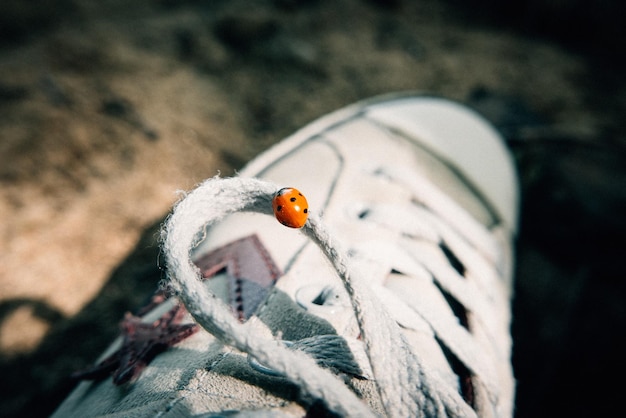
[{"x": 34, "y": 384}]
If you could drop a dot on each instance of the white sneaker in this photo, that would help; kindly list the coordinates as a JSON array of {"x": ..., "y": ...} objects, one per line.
[{"x": 392, "y": 300}]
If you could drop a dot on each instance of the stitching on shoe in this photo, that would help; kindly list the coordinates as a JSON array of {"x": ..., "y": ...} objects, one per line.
[
  {"x": 454, "y": 215},
  {"x": 495, "y": 218}
]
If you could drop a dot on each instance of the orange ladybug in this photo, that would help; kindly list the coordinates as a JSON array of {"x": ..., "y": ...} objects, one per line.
[{"x": 290, "y": 207}]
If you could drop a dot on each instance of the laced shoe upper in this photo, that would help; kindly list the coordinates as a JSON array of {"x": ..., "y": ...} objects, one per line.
[{"x": 394, "y": 301}]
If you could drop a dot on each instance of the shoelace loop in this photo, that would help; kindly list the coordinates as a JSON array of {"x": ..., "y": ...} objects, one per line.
[{"x": 404, "y": 385}]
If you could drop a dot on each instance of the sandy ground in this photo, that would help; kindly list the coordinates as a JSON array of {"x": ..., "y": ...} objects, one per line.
[{"x": 108, "y": 108}]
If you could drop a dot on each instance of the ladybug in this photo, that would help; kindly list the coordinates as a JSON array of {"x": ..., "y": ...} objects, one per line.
[{"x": 290, "y": 207}]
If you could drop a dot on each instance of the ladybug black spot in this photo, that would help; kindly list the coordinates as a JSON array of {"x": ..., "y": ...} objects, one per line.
[
  {"x": 293, "y": 199},
  {"x": 279, "y": 208}
]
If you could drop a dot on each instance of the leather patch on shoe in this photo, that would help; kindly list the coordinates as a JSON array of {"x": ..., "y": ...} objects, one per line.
[{"x": 250, "y": 270}]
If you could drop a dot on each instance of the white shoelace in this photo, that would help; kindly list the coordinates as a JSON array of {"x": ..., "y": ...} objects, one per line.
[{"x": 402, "y": 378}]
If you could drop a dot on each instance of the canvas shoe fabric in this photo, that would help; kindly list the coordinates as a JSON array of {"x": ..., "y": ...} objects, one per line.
[{"x": 393, "y": 300}]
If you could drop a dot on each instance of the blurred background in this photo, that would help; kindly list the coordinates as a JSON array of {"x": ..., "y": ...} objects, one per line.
[{"x": 108, "y": 107}]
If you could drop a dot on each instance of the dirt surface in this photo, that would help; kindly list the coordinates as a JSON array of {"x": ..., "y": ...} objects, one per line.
[{"x": 107, "y": 108}]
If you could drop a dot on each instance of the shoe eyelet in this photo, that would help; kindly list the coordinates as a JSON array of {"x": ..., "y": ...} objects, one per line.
[{"x": 321, "y": 300}]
